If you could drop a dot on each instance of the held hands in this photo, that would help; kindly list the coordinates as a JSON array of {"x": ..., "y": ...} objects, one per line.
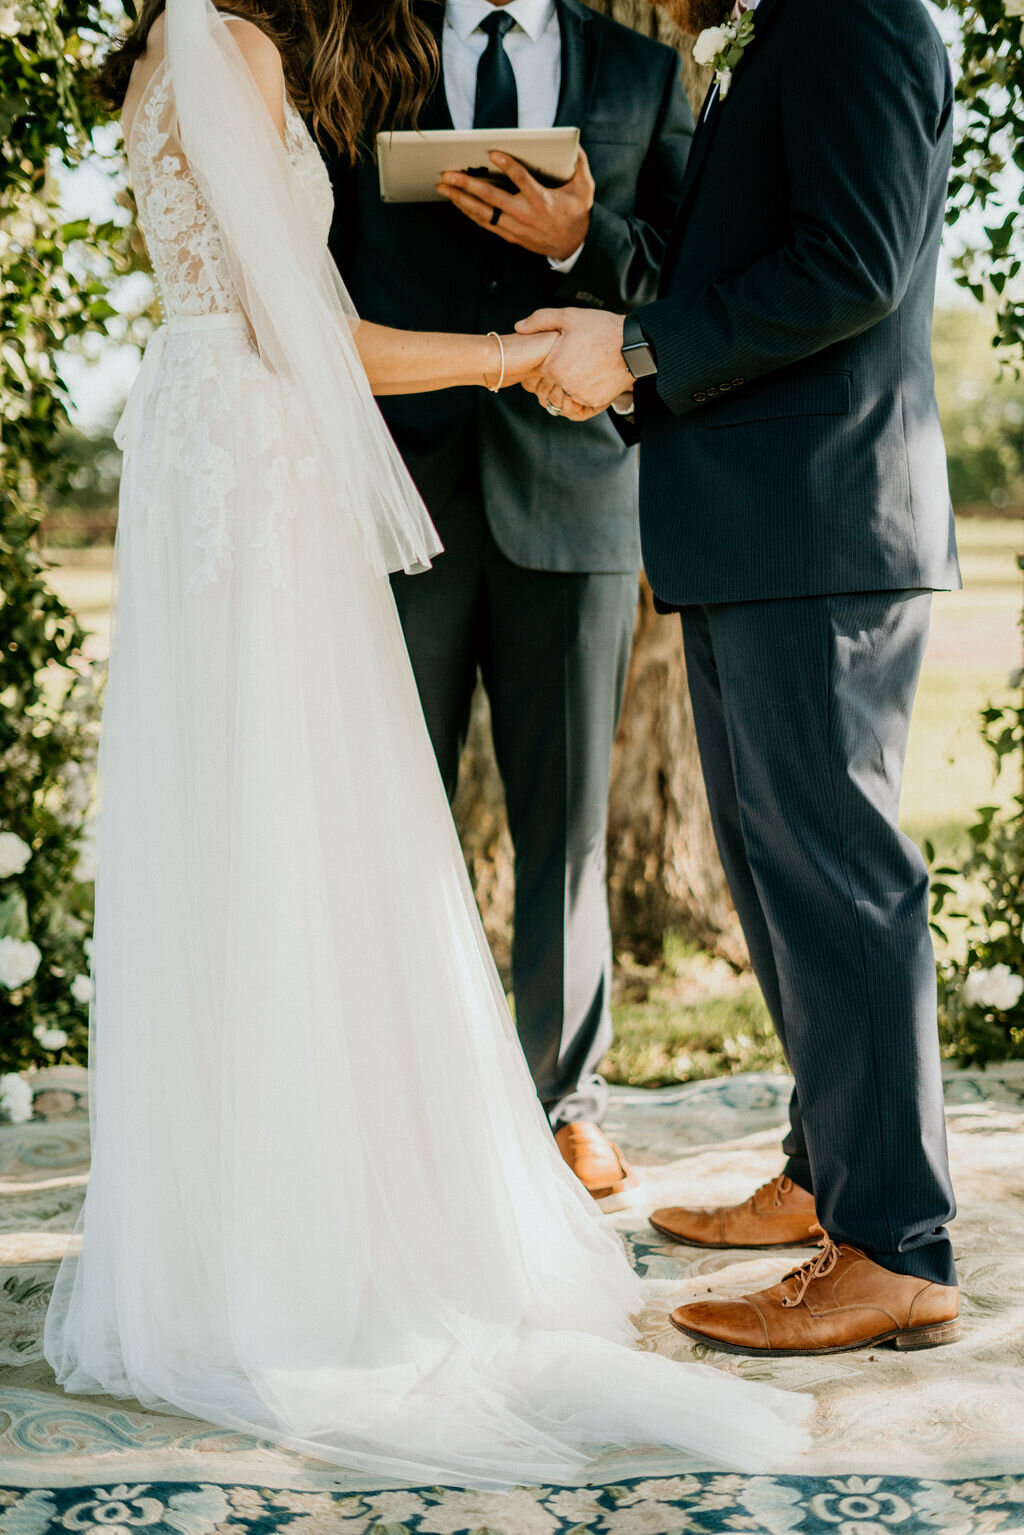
[
  {"x": 583, "y": 372},
  {"x": 524, "y": 359},
  {"x": 550, "y": 221}
]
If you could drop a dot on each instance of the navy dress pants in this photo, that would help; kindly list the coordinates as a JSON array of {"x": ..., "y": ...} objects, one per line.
[{"x": 802, "y": 708}]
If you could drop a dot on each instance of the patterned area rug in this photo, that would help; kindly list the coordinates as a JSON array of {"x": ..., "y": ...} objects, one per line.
[
  {"x": 698, "y": 1505},
  {"x": 905, "y": 1443}
]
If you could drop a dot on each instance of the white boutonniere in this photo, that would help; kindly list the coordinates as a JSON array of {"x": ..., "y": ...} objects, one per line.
[{"x": 723, "y": 47}]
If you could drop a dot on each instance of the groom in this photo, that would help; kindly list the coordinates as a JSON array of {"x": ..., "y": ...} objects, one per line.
[
  {"x": 795, "y": 510},
  {"x": 537, "y": 587}
]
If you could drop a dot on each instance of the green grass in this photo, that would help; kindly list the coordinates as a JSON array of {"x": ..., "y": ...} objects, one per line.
[{"x": 688, "y": 1017}]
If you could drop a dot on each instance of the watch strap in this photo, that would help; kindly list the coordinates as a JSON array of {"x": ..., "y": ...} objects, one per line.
[{"x": 636, "y": 349}]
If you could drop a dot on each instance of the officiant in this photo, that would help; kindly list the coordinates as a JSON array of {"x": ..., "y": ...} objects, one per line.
[{"x": 536, "y": 591}]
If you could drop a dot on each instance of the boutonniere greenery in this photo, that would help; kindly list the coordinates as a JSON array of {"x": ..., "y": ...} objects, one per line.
[{"x": 723, "y": 47}]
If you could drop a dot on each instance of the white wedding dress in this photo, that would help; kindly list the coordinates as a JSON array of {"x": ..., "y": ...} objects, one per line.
[{"x": 325, "y": 1206}]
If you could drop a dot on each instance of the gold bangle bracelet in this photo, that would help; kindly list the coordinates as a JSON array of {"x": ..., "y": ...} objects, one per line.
[{"x": 501, "y": 348}]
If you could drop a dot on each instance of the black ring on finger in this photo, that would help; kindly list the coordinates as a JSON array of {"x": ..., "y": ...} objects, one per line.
[{"x": 495, "y": 216}]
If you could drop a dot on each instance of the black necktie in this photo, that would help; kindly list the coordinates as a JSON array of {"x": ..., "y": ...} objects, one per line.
[{"x": 497, "y": 100}]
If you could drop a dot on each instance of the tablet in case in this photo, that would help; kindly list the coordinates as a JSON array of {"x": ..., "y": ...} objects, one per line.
[{"x": 411, "y": 164}]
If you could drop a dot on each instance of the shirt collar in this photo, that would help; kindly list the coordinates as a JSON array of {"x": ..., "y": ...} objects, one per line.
[{"x": 534, "y": 16}]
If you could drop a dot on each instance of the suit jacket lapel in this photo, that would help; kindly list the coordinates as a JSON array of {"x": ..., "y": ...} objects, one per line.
[
  {"x": 580, "y": 52},
  {"x": 699, "y": 150},
  {"x": 708, "y": 121},
  {"x": 702, "y": 141}
]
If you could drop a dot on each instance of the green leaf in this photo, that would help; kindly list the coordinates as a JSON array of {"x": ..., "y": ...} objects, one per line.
[{"x": 14, "y": 916}]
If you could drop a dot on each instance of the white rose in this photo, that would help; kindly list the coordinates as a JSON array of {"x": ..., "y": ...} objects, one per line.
[
  {"x": 1014, "y": 7},
  {"x": 81, "y": 988},
  {"x": 711, "y": 42},
  {"x": 19, "y": 961},
  {"x": 998, "y": 988},
  {"x": 87, "y": 946},
  {"x": 15, "y": 1098},
  {"x": 50, "y": 1039},
  {"x": 78, "y": 789},
  {"x": 14, "y": 854},
  {"x": 8, "y": 21}
]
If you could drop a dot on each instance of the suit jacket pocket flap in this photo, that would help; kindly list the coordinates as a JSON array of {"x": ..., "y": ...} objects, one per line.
[{"x": 811, "y": 394}]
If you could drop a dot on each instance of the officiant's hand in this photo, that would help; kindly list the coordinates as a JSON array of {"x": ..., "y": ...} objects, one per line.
[
  {"x": 584, "y": 372},
  {"x": 550, "y": 221}
]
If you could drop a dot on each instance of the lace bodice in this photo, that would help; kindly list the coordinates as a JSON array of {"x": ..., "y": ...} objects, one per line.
[{"x": 180, "y": 230}]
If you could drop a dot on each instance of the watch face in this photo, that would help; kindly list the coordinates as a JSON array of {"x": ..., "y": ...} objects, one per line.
[{"x": 639, "y": 359}]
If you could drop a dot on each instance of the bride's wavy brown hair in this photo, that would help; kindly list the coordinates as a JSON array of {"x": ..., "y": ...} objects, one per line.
[{"x": 349, "y": 64}]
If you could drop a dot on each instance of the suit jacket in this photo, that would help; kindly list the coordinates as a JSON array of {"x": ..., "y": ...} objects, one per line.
[
  {"x": 558, "y": 497},
  {"x": 791, "y": 443}
]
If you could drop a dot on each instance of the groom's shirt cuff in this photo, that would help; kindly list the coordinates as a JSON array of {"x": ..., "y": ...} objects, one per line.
[{"x": 568, "y": 262}]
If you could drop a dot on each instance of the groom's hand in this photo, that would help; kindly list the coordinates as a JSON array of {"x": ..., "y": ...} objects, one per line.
[
  {"x": 584, "y": 370},
  {"x": 550, "y": 221}
]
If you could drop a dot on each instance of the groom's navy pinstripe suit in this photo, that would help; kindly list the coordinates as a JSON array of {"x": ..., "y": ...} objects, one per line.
[{"x": 794, "y": 507}]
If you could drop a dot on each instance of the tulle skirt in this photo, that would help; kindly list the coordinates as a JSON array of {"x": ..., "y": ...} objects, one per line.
[{"x": 325, "y": 1206}]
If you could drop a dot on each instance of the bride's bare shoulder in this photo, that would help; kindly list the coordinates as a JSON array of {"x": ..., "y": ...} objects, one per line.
[
  {"x": 263, "y": 61},
  {"x": 258, "y": 50}
]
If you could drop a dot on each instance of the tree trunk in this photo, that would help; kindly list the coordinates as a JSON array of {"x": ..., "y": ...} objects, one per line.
[{"x": 663, "y": 867}]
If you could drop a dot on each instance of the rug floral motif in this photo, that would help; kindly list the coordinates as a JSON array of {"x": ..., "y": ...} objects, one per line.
[
  {"x": 697, "y": 1505},
  {"x": 904, "y": 1443}
]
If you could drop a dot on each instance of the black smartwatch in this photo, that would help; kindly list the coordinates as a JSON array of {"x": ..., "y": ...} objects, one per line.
[{"x": 636, "y": 350}]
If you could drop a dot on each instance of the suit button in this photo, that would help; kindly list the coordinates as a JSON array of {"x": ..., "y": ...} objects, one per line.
[
  {"x": 737, "y": 382},
  {"x": 587, "y": 298},
  {"x": 724, "y": 388},
  {"x": 493, "y": 285},
  {"x": 712, "y": 391},
  {"x": 700, "y": 397}
]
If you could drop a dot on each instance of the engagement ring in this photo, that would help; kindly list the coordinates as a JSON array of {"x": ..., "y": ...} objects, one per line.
[{"x": 552, "y": 410}]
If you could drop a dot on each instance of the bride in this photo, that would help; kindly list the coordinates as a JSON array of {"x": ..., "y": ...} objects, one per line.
[{"x": 325, "y": 1206}]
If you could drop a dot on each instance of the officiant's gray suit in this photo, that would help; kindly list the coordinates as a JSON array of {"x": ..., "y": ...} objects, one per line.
[{"x": 537, "y": 588}]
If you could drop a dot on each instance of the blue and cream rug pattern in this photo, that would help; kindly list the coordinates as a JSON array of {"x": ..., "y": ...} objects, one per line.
[
  {"x": 903, "y": 1443},
  {"x": 698, "y": 1505}
]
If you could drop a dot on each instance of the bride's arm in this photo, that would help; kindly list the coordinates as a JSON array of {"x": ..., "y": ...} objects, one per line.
[
  {"x": 401, "y": 361},
  {"x": 412, "y": 362}
]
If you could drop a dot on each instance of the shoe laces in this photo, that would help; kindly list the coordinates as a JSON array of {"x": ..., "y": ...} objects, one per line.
[
  {"x": 815, "y": 1268},
  {"x": 781, "y": 1185}
]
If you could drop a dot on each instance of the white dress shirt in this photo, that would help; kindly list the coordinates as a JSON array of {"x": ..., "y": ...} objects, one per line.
[{"x": 534, "y": 49}]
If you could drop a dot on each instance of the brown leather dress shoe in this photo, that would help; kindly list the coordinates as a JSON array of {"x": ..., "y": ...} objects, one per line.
[
  {"x": 779, "y": 1214},
  {"x": 597, "y": 1162},
  {"x": 835, "y": 1302}
]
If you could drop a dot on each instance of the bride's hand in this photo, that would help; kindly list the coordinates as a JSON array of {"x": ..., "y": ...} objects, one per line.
[{"x": 523, "y": 362}]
